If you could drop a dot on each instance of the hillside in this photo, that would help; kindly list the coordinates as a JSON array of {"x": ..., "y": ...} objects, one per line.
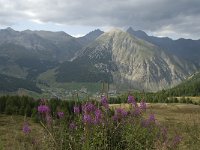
[
  {"x": 11, "y": 84},
  {"x": 183, "y": 48},
  {"x": 130, "y": 61},
  {"x": 90, "y": 37},
  {"x": 189, "y": 87}
]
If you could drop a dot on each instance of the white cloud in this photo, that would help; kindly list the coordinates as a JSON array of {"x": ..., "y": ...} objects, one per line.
[
  {"x": 152, "y": 15},
  {"x": 78, "y": 35}
]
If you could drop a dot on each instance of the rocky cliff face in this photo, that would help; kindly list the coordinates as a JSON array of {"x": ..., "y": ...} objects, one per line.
[
  {"x": 135, "y": 62},
  {"x": 183, "y": 48}
]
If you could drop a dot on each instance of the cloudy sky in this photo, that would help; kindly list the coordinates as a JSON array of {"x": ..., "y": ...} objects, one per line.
[{"x": 173, "y": 18}]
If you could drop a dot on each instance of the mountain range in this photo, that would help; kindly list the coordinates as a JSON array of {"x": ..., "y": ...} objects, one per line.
[{"x": 130, "y": 58}]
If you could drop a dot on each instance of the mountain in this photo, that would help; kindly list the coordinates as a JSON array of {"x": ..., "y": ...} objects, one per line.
[
  {"x": 126, "y": 59},
  {"x": 27, "y": 54},
  {"x": 31, "y": 42},
  {"x": 58, "y": 46},
  {"x": 90, "y": 37},
  {"x": 64, "y": 44},
  {"x": 132, "y": 59},
  {"x": 184, "y": 48}
]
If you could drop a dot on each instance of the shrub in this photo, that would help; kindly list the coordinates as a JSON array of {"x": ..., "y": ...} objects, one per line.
[{"x": 97, "y": 126}]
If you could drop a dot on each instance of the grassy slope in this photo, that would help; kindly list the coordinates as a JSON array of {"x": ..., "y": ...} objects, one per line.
[
  {"x": 12, "y": 137},
  {"x": 11, "y": 84},
  {"x": 189, "y": 86},
  {"x": 49, "y": 77},
  {"x": 179, "y": 118}
]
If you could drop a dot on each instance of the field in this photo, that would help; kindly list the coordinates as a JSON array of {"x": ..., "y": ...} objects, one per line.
[
  {"x": 183, "y": 119},
  {"x": 193, "y": 98},
  {"x": 12, "y": 137},
  {"x": 180, "y": 118}
]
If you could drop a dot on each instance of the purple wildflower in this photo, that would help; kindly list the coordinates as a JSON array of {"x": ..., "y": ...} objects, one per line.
[
  {"x": 76, "y": 109},
  {"x": 137, "y": 111},
  {"x": 87, "y": 118},
  {"x": 60, "y": 114},
  {"x": 152, "y": 118},
  {"x": 120, "y": 113},
  {"x": 115, "y": 117},
  {"x": 131, "y": 100},
  {"x": 26, "y": 129},
  {"x": 43, "y": 109},
  {"x": 72, "y": 125},
  {"x": 98, "y": 116},
  {"x": 88, "y": 107},
  {"x": 124, "y": 113},
  {"x": 143, "y": 105},
  {"x": 104, "y": 102}
]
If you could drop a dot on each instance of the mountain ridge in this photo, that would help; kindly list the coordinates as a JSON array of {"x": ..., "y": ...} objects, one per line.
[
  {"x": 184, "y": 48},
  {"x": 119, "y": 57},
  {"x": 110, "y": 52}
]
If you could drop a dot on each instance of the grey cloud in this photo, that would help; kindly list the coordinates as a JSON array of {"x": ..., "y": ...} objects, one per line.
[{"x": 149, "y": 15}]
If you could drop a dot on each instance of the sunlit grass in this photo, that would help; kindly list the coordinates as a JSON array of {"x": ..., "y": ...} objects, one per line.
[
  {"x": 12, "y": 137},
  {"x": 180, "y": 118},
  {"x": 183, "y": 119}
]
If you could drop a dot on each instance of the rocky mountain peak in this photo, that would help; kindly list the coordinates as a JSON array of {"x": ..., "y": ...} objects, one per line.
[
  {"x": 90, "y": 37},
  {"x": 136, "y": 62},
  {"x": 9, "y": 29}
]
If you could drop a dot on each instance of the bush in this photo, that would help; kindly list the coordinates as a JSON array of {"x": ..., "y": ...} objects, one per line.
[{"x": 92, "y": 126}]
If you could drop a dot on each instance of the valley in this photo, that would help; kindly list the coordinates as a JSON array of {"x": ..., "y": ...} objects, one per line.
[{"x": 126, "y": 59}]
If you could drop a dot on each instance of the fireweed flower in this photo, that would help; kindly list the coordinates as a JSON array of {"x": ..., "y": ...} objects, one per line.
[
  {"x": 120, "y": 113},
  {"x": 76, "y": 109},
  {"x": 104, "y": 102},
  {"x": 131, "y": 100},
  {"x": 87, "y": 118},
  {"x": 115, "y": 117},
  {"x": 152, "y": 118},
  {"x": 88, "y": 107},
  {"x": 143, "y": 105},
  {"x": 26, "y": 129},
  {"x": 124, "y": 113},
  {"x": 43, "y": 109},
  {"x": 137, "y": 111},
  {"x": 98, "y": 116},
  {"x": 60, "y": 114}
]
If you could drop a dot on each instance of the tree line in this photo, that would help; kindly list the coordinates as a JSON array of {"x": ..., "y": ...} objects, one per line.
[
  {"x": 27, "y": 106},
  {"x": 160, "y": 97}
]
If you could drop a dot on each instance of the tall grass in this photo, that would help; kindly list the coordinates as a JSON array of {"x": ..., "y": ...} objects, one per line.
[{"x": 96, "y": 126}]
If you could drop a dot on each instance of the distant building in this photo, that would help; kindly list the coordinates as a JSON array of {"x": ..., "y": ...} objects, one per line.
[{"x": 83, "y": 90}]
